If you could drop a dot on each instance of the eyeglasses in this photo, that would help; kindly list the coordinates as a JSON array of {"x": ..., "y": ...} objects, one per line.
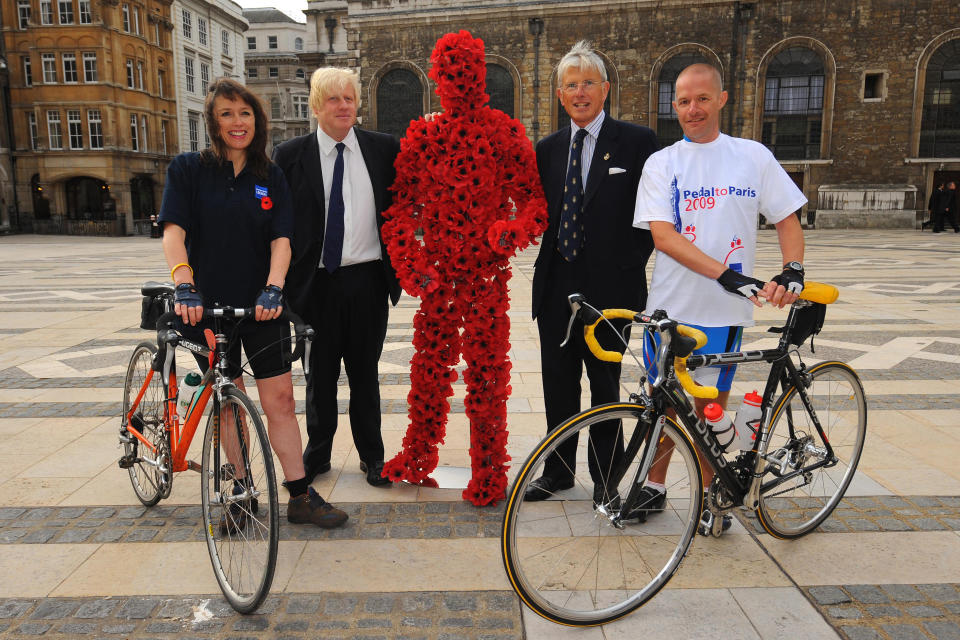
[{"x": 571, "y": 87}]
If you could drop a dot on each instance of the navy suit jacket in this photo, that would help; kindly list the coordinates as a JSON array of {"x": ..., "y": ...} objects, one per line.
[
  {"x": 615, "y": 252},
  {"x": 300, "y": 160}
]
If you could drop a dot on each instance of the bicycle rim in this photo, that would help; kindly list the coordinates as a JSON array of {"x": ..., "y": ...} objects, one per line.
[
  {"x": 795, "y": 506},
  {"x": 566, "y": 559},
  {"x": 241, "y": 530},
  {"x": 147, "y": 479}
]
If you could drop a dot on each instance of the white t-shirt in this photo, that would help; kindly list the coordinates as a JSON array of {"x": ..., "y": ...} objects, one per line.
[{"x": 712, "y": 194}]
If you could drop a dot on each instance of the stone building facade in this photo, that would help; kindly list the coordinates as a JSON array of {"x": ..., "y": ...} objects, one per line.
[
  {"x": 859, "y": 99},
  {"x": 92, "y": 112},
  {"x": 275, "y": 72}
]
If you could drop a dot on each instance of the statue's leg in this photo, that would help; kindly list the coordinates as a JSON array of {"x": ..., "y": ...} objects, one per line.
[
  {"x": 486, "y": 341},
  {"x": 436, "y": 341}
]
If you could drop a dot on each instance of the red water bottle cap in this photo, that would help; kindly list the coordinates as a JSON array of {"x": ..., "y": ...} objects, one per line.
[
  {"x": 753, "y": 398},
  {"x": 713, "y": 412}
]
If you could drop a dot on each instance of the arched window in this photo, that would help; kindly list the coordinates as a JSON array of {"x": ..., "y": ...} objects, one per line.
[
  {"x": 298, "y": 44},
  {"x": 275, "y": 108},
  {"x": 500, "y": 88},
  {"x": 668, "y": 129},
  {"x": 940, "y": 124},
  {"x": 300, "y": 74},
  {"x": 399, "y": 100},
  {"x": 793, "y": 104},
  {"x": 85, "y": 198}
]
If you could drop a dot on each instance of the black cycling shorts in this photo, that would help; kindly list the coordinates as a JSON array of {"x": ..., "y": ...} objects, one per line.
[{"x": 264, "y": 344}]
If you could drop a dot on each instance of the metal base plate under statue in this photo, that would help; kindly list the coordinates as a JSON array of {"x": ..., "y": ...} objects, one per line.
[{"x": 448, "y": 478}]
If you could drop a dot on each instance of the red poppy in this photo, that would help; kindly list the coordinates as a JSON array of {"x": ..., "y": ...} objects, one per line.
[{"x": 266, "y": 203}]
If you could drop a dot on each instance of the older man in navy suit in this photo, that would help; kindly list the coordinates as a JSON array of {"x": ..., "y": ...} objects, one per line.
[
  {"x": 590, "y": 171},
  {"x": 341, "y": 278}
]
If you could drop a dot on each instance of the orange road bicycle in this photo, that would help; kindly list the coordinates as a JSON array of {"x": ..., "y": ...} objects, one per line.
[
  {"x": 581, "y": 563},
  {"x": 238, "y": 488}
]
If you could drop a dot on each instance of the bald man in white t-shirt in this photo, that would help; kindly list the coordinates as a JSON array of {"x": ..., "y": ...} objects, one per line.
[{"x": 701, "y": 198}]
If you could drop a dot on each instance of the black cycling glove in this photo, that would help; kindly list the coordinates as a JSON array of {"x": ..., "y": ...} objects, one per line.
[
  {"x": 740, "y": 284},
  {"x": 186, "y": 294},
  {"x": 791, "y": 279},
  {"x": 270, "y": 298}
]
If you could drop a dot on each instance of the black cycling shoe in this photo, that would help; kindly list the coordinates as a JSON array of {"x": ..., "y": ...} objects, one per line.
[
  {"x": 649, "y": 502},
  {"x": 705, "y": 527}
]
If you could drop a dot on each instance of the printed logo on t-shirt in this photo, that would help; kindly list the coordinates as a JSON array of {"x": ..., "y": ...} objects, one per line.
[
  {"x": 259, "y": 192},
  {"x": 705, "y": 198},
  {"x": 736, "y": 244}
]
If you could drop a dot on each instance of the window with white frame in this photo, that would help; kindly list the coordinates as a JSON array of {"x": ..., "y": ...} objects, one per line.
[
  {"x": 225, "y": 42},
  {"x": 271, "y": 42},
  {"x": 23, "y": 13},
  {"x": 202, "y": 30},
  {"x": 187, "y": 24},
  {"x": 125, "y": 14},
  {"x": 70, "y": 68},
  {"x": 188, "y": 71},
  {"x": 252, "y": 72},
  {"x": 95, "y": 128},
  {"x": 34, "y": 131},
  {"x": 66, "y": 11},
  {"x": 130, "y": 78},
  {"x": 143, "y": 133},
  {"x": 90, "y": 67},
  {"x": 193, "y": 130},
  {"x": 46, "y": 11},
  {"x": 251, "y": 43},
  {"x": 75, "y": 129},
  {"x": 298, "y": 44},
  {"x": 300, "y": 109},
  {"x": 54, "y": 132},
  {"x": 163, "y": 136},
  {"x": 27, "y": 71},
  {"x": 156, "y": 33},
  {"x": 139, "y": 74},
  {"x": 136, "y": 21},
  {"x": 273, "y": 72},
  {"x": 275, "y": 108},
  {"x": 134, "y": 135},
  {"x": 204, "y": 76},
  {"x": 49, "y": 61},
  {"x": 86, "y": 15},
  {"x": 161, "y": 81}
]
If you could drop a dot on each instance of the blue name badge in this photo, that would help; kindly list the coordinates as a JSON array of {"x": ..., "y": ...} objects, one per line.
[{"x": 259, "y": 192}]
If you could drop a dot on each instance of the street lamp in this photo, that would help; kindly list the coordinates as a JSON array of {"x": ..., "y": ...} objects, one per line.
[{"x": 536, "y": 28}]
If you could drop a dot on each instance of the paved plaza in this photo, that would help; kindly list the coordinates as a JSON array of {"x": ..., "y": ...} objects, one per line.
[{"x": 79, "y": 556}]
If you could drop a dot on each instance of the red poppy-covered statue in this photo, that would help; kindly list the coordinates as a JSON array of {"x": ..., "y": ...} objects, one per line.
[{"x": 468, "y": 179}]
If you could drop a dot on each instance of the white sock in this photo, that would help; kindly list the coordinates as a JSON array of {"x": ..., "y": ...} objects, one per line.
[{"x": 656, "y": 485}]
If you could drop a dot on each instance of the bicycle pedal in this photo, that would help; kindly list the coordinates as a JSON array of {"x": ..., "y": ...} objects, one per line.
[{"x": 127, "y": 461}]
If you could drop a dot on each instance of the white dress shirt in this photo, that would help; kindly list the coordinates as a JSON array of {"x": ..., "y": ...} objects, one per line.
[{"x": 361, "y": 238}]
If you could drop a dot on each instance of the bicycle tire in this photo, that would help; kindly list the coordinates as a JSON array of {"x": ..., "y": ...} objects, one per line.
[
  {"x": 543, "y": 544},
  {"x": 150, "y": 482},
  {"x": 242, "y": 535},
  {"x": 789, "y": 510}
]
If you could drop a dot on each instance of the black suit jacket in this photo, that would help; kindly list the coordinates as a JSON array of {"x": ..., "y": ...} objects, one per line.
[
  {"x": 615, "y": 252},
  {"x": 300, "y": 160}
]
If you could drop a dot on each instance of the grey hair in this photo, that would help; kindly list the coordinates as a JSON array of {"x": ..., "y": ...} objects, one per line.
[{"x": 581, "y": 56}]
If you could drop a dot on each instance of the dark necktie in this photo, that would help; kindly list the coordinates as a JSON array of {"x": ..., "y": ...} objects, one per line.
[
  {"x": 333, "y": 239},
  {"x": 570, "y": 238}
]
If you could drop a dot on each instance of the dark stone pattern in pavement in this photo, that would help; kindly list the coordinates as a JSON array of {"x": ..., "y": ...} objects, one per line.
[
  {"x": 492, "y": 615},
  {"x": 172, "y": 523},
  {"x": 878, "y": 513},
  {"x": 890, "y": 611}
]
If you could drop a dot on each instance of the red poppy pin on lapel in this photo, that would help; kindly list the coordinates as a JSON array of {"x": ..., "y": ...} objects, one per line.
[{"x": 266, "y": 203}]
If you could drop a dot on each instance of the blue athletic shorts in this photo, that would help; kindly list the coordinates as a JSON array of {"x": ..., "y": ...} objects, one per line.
[{"x": 719, "y": 340}]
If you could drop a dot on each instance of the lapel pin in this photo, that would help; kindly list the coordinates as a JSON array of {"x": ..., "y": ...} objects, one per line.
[{"x": 606, "y": 156}]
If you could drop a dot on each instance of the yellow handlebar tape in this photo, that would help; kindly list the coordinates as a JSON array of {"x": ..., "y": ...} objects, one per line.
[
  {"x": 598, "y": 352},
  {"x": 819, "y": 292},
  {"x": 680, "y": 366}
]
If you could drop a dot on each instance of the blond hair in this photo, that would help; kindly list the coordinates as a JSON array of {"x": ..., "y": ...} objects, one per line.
[{"x": 326, "y": 81}]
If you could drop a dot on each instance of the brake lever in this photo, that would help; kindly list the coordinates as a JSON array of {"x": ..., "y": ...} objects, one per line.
[{"x": 575, "y": 301}]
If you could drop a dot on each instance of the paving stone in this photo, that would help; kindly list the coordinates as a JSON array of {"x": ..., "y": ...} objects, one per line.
[
  {"x": 860, "y": 633},
  {"x": 373, "y": 532},
  {"x": 109, "y": 535},
  {"x": 460, "y": 602},
  {"x": 131, "y": 512},
  {"x": 436, "y": 507},
  {"x": 436, "y": 531},
  {"x": 894, "y": 502},
  {"x": 859, "y": 524},
  {"x": 71, "y": 513},
  {"x": 925, "y": 501},
  {"x": 953, "y": 607},
  {"x": 500, "y": 601},
  {"x": 292, "y": 625},
  {"x": 11, "y": 535},
  {"x": 15, "y": 608},
  {"x": 377, "y": 509},
  {"x": 902, "y": 592},
  {"x": 41, "y": 513},
  {"x": 119, "y": 629},
  {"x": 417, "y": 602},
  {"x": 252, "y": 623},
  {"x": 11, "y": 513},
  {"x": 867, "y": 594},
  {"x": 178, "y": 534},
  {"x": 940, "y": 592},
  {"x": 829, "y": 595},
  {"x": 370, "y": 623},
  {"x": 904, "y": 632},
  {"x": 303, "y": 604},
  {"x": 456, "y": 622},
  {"x": 924, "y": 611},
  {"x": 379, "y": 603},
  {"x": 404, "y": 531},
  {"x": 101, "y": 512},
  {"x": 142, "y": 535},
  {"x": 943, "y": 630},
  {"x": 137, "y": 608},
  {"x": 101, "y": 608},
  {"x": 34, "y": 628},
  {"x": 892, "y": 524},
  {"x": 415, "y": 621},
  {"x": 883, "y": 611},
  {"x": 378, "y": 519},
  {"x": 844, "y": 613},
  {"x": 407, "y": 507},
  {"x": 90, "y": 524},
  {"x": 163, "y": 627},
  {"x": 54, "y": 609},
  {"x": 495, "y": 623},
  {"x": 74, "y": 535},
  {"x": 39, "y": 536},
  {"x": 332, "y": 624},
  {"x": 339, "y": 605},
  {"x": 927, "y": 524}
]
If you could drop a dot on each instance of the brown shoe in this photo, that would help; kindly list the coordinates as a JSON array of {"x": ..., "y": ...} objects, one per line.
[{"x": 310, "y": 508}]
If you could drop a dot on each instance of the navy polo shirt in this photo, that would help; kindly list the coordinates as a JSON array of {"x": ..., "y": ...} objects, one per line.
[{"x": 230, "y": 223}]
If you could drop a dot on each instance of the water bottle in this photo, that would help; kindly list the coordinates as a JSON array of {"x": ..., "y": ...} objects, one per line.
[
  {"x": 747, "y": 423},
  {"x": 189, "y": 394},
  {"x": 721, "y": 425}
]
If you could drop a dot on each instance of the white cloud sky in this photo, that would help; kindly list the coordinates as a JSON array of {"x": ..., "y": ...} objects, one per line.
[{"x": 293, "y": 8}]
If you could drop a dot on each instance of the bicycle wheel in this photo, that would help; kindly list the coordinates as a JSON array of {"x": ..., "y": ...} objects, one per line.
[
  {"x": 149, "y": 480},
  {"x": 566, "y": 559},
  {"x": 239, "y": 499},
  {"x": 802, "y": 486}
]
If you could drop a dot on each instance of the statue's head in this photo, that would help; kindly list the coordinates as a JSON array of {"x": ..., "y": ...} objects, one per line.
[{"x": 460, "y": 71}]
